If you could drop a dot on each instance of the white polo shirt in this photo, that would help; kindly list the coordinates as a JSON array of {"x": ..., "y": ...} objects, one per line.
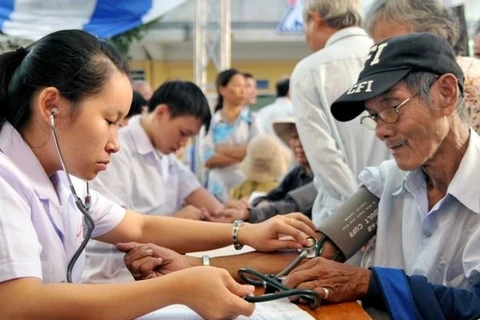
[
  {"x": 141, "y": 179},
  {"x": 41, "y": 229},
  {"x": 442, "y": 243}
]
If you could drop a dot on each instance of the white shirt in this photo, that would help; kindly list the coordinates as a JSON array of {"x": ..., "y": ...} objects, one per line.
[
  {"x": 221, "y": 132},
  {"x": 336, "y": 151},
  {"x": 40, "y": 225},
  {"x": 441, "y": 244},
  {"x": 141, "y": 179},
  {"x": 279, "y": 110}
]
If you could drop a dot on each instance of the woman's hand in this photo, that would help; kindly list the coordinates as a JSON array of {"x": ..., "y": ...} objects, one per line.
[
  {"x": 212, "y": 293},
  {"x": 333, "y": 281},
  {"x": 266, "y": 236},
  {"x": 146, "y": 261}
]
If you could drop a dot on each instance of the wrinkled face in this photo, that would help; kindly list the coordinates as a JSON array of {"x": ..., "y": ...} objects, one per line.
[
  {"x": 476, "y": 48},
  {"x": 297, "y": 147},
  {"x": 234, "y": 92},
  {"x": 250, "y": 91},
  {"x": 171, "y": 134},
  {"x": 417, "y": 135},
  {"x": 89, "y": 134},
  {"x": 382, "y": 30}
]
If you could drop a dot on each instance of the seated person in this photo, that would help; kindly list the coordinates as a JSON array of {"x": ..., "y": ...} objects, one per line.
[
  {"x": 426, "y": 261},
  {"x": 295, "y": 193},
  {"x": 146, "y": 176},
  {"x": 265, "y": 162},
  {"x": 137, "y": 107}
]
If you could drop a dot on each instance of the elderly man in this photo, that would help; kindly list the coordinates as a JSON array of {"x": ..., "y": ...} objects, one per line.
[
  {"x": 337, "y": 152},
  {"x": 429, "y": 208}
]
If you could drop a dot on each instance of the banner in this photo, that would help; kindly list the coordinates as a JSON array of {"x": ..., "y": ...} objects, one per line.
[{"x": 32, "y": 19}]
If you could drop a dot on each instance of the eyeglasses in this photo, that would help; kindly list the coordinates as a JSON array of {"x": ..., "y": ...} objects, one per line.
[{"x": 389, "y": 115}]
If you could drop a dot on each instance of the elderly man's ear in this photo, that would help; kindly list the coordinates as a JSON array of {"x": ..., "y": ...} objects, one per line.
[{"x": 447, "y": 87}]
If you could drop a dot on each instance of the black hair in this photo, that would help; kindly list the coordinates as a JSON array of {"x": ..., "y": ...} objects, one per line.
[
  {"x": 283, "y": 86},
  {"x": 248, "y": 75},
  {"x": 137, "y": 105},
  {"x": 223, "y": 78},
  {"x": 73, "y": 61},
  {"x": 183, "y": 98}
]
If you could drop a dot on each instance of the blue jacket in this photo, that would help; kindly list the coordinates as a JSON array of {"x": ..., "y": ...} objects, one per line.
[{"x": 413, "y": 297}]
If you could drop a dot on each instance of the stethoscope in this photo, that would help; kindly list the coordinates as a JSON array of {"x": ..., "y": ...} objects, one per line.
[
  {"x": 274, "y": 289},
  {"x": 84, "y": 207}
]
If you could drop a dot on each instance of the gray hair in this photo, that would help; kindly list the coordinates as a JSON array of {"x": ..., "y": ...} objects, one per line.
[
  {"x": 420, "y": 15},
  {"x": 421, "y": 82},
  {"x": 337, "y": 14}
]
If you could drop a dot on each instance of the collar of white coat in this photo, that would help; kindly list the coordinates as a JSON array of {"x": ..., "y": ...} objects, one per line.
[
  {"x": 22, "y": 157},
  {"x": 345, "y": 32},
  {"x": 142, "y": 143}
]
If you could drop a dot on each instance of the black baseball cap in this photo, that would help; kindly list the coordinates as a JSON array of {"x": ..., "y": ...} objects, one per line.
[{"x": 392, "y": 60}]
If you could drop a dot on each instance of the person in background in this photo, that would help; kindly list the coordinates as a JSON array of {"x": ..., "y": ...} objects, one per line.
[
  {"x": 266, "y": 161},
  {"x": 426, "y": 262},
  {"x": 146, "y": 176},
  {"x": 295, "y": 193},
  {"x": 476, "y": 43},
  {"x": 231, "y": 129},
  {"x": 139, "y": 104},
  {"x": 385, "y": 19},
  {"x": 250, "y": 91},
  {"x": 144, "y": 88},
  {"x": 336, "y": 152},
  {"x": 280, "y": 109},
  {"x": 62, "y": 101}
]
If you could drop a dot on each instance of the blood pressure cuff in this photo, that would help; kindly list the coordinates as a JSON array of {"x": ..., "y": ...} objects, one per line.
[
  {"x": 354, "y": 223},
  {"x": 304, "y": 197}
]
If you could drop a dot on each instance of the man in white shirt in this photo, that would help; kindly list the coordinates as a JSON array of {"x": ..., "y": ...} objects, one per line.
[
  {"x": 337, "y": 152},
  {"x": 280, "y": 109},
  {"x": 145, "y": 175}
]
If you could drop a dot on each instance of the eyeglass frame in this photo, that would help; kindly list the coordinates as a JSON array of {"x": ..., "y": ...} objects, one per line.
[{"x": 378, "y": 115}]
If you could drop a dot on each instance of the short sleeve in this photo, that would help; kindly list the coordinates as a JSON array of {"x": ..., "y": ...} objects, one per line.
[
  {"x": 371, "y": 178},
  {"x": 105, "y": 213},
  {"x": 20, "y": 248}
]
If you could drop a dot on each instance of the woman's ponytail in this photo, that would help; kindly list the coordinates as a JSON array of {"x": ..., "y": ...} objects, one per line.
[{"x": 9, "y": 64}]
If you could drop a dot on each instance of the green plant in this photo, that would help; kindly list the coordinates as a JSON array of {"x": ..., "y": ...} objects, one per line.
[{"x": 124, "y": 40}]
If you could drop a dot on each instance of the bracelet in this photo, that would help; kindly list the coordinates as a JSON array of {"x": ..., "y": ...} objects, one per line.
[
  {"x": 205, "y": 260},
  {"x": 236, "y": 227}
]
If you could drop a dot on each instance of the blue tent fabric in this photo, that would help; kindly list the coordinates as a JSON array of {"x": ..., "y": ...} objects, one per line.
[{"x": 33, "y": 19}]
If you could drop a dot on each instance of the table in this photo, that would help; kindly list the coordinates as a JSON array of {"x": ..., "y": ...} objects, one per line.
[{"x": 340, "y": 311}]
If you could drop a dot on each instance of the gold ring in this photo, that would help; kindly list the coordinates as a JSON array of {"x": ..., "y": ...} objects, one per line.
[{"x": 326, "y": 292}]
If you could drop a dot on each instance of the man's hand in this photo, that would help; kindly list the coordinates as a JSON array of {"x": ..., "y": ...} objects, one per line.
[
  {"x": 233, "y": 210},
  {"x": 193, "y": 213},
  {"x": 342, "y": 282},
  {"x": 145, "y": 261}
]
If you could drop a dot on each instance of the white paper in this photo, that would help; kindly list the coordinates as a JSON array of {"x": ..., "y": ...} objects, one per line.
[{"x": 279, "y": 309}]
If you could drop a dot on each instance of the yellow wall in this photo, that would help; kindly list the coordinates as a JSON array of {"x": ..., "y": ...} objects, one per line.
[{"x": 157, "y": 72}]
